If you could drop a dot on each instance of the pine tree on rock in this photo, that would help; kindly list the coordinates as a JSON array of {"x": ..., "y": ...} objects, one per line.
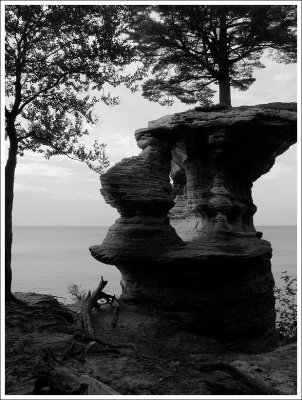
[{"x": 189, "y": 47}]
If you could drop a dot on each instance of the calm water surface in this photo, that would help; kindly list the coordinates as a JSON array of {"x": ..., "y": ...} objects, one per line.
[{"x": 47, "y": 258}]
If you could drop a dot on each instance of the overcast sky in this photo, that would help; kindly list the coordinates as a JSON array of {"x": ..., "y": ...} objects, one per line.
[{"x": 60, "y": 191}]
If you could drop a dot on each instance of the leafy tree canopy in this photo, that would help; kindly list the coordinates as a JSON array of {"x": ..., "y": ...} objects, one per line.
[
  {"x": 189, "y": 47},
  {"x": 55, "y": 57}
]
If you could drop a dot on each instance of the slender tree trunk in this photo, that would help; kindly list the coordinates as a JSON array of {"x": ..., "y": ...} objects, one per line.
[
  {"x": 9, "y": 198},
  {"x": 224, "y": 69}
]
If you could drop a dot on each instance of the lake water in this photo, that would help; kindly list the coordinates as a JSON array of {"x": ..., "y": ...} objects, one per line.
[{"x": 48, "y": 258}]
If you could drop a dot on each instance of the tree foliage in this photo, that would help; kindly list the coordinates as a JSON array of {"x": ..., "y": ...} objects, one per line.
[
  {"x": 189, "y": 47},
  {"x": 56, "y": 56}
]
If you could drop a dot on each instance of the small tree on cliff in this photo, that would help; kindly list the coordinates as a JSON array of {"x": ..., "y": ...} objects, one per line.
[
  {"x": 54, "y": 55},
  {"x": 189, "y": 47}
]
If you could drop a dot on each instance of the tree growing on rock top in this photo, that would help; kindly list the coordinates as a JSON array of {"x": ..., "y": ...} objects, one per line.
[
  {"x": 54, "y": 55},
  {"x": 189, "y": 47}
]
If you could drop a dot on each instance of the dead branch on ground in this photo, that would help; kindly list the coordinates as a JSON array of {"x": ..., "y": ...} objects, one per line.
[
  {"x": 90, "y": 302},
  {"x": 255, "y": 384},
  {"x": 84, "y": 334}
]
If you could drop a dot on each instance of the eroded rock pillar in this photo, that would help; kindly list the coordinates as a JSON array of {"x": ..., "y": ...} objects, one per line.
[
  {"x": 213, "y": 271},
  {"x": 139, "y": 188},
  {"x": 217, "y": 197}
]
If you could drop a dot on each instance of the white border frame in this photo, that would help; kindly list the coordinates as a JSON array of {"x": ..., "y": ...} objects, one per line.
[{"x": 137, "y": 2}]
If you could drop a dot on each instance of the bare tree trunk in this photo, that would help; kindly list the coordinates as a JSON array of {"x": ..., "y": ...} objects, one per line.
[
  {"x": 225, "y": 92},
  {"x": 9, "y": 199},
  {"x": 87, "y": 305},
  {"x": 224, "y": 69}
]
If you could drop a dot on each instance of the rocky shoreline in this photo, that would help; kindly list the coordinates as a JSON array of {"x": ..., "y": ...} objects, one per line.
[
  {"x": 141, "y": 354},
  {"x": 197, "y": 311}
]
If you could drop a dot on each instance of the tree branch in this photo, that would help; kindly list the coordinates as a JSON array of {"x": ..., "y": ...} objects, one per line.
[
  {"x": 47, "y": 142},
  {"x": 44, "y": 90},
  {"x": 243, "y": 55},
  {"x": 7, "y": 113},
  {"x": 18, "y": 89},
  {"x": 238, "y": 24}
]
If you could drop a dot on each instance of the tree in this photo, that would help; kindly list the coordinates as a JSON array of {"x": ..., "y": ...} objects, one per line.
[
  {"x": 54, "y": 56},
  {"x": 189, "y": 47}
]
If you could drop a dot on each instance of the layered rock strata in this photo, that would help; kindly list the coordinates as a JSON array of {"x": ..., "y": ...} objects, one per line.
[{"x": 191, "y": 247}]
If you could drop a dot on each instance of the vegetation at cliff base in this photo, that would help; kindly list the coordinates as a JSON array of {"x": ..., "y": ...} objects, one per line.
[
  {"x": 286, "y": 309},
  {"x": 76, "y": 292}
]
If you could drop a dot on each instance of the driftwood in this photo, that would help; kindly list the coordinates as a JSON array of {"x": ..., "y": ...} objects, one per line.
[
  {"x": 90, "y": 302},
  {"x": 96, "y": 387},
  {"x": 256, "y": 385},
  {"x": 84, "y": 338},
  {"x": 78, "y": 350},
  {"x": 107, "y": 345},
  {"x": 115, "y": 315},
  {"x": 55, "y": 378}
]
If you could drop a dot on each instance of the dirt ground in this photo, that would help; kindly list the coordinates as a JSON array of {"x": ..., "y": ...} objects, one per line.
[{"x": 140, "y": 353}]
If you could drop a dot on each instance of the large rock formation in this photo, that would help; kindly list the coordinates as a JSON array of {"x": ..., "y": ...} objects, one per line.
[{"x": 191, "y": 248}]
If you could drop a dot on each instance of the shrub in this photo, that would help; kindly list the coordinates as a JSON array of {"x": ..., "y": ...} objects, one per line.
[
  {"x": 286, "y": 309},
  {"x": 76, "y": 292}
]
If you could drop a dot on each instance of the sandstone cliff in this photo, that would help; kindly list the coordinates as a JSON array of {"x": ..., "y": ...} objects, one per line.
[{"x": 191, "y": 246}]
